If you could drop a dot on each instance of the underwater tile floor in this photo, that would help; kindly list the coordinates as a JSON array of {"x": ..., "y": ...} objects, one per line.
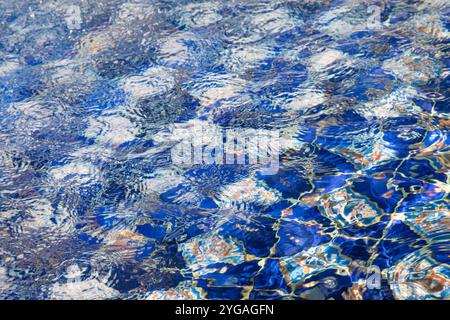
[{"x": 95, "y": 96}]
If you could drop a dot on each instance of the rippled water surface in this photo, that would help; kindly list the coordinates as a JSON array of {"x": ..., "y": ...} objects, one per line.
[{"x": 93, "y": 207}]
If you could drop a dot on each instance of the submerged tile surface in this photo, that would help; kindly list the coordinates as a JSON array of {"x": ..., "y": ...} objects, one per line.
[{"x": 95, "y": 94}]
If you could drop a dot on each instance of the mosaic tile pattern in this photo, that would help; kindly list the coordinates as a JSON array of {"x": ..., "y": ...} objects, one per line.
[{"x": 91, "y": 205}]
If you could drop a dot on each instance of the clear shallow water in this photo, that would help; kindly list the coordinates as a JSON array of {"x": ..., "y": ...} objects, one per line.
[{"x": 91, "y": 205}]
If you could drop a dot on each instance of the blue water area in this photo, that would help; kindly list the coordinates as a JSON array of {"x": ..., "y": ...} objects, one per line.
[{"x": 99, "y": 200}]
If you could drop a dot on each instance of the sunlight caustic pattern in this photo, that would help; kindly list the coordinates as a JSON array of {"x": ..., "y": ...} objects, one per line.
[{"x": 95, "y": 96}]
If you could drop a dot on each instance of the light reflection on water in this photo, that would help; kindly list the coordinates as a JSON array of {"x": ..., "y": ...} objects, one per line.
[{"x": 91, "y": 205}]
